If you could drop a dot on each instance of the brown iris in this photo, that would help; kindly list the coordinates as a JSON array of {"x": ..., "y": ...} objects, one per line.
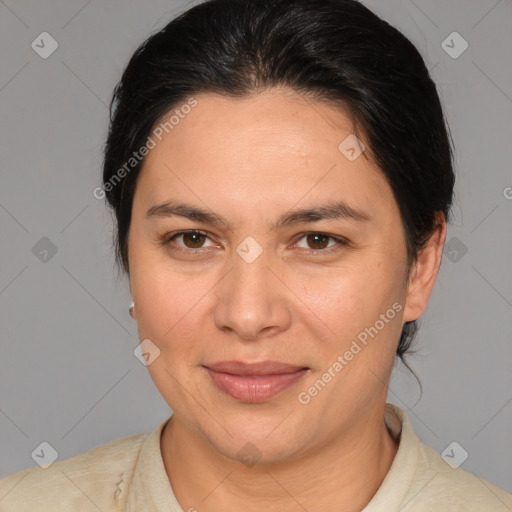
[
  {"x": 197, "y": 240},
  {"x": 314, "y": 238}
]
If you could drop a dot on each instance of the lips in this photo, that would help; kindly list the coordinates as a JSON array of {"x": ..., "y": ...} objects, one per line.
[
  {"x": 254, "y": 382},
  {"x": 262, "y": 368}
]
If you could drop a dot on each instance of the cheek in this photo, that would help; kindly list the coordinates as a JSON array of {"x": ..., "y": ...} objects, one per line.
[
  {"x": 349, "y": 298},
  {"x": 165, "y": 304},
  {"x": 360, "y": 312},
  {"x": 158, "y": 295},
  {"x": 168, "y": 308}
]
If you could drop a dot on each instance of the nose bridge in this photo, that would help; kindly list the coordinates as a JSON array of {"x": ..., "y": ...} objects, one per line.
[
  {"x": 249, "y": 282},
  {"x": 250, "y": 298}
]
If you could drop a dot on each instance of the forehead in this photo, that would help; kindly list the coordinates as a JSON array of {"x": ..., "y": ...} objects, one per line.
[
  {"x": 275, "y": 118},
  {"x": 271, "y": 148}
]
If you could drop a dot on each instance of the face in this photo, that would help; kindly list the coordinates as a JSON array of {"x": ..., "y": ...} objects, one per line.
[{"x": 274, "y": 246}]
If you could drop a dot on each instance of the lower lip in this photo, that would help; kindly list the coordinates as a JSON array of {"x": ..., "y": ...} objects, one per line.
[{"x": 254, "y": 389}]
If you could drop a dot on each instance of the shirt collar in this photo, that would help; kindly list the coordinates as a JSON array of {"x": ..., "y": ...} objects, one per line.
[
  {"x": 150, "y": 489},
  {"x": 396, "y": 484}
]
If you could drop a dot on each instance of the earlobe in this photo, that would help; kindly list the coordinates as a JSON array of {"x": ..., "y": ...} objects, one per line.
[{"x": 424, "y": 272}]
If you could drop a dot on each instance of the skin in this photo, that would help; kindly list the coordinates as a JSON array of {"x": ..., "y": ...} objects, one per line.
[{"x": 252, "y": 160}]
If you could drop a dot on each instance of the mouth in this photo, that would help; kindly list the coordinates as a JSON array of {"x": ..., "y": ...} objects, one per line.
[{"x": 254, "y": 382}]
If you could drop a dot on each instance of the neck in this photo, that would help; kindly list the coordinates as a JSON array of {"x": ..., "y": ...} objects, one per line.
[{"x": 343, "y": 474}]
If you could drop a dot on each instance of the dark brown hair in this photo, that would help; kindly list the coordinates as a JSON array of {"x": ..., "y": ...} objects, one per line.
[{"x": 335, "y": 50}]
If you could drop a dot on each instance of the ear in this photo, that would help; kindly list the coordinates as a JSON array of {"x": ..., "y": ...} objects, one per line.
[{"x": 424, "y": 272}]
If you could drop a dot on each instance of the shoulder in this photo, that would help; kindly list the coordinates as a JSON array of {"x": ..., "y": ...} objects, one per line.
[
  {"x": 438, "y": 485},
  {"x": 421, "y": 480},
  {"x": 87, "y": 481}
]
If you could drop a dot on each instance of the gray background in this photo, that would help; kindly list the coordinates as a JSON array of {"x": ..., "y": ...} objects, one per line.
[{"x": 68, "y": 373}]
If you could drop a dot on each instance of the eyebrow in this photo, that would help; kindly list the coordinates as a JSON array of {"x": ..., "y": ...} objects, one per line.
[{"x": 336, "y": 210}]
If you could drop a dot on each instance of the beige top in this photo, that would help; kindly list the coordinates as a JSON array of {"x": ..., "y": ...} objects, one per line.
[{"x": 128, "y": 475}]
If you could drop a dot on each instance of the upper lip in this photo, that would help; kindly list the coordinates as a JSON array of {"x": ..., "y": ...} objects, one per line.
[{"x": 261, "y": 368}]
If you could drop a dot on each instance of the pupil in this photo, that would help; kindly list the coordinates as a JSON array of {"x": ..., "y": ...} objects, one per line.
[
  {"x": 195, "y": 244},
  {"x": 317, "y": 236}
]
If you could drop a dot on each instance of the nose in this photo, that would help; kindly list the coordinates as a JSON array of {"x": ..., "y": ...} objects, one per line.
[{"x": 252, "y": 301}]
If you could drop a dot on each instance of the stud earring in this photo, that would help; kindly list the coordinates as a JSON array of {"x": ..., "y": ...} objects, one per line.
[{"x": 130, "y": 309}]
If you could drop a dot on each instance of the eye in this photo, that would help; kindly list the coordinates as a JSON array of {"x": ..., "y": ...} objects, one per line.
[
  {"x": 319, "y": 242},
  {"x": 191, "y": 240}
]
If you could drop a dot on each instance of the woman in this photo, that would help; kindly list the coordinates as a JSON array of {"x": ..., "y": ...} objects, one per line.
[{"x": 281, "y": 176}]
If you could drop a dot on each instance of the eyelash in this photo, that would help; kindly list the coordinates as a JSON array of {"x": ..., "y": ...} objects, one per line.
[{"x": 167, "y": 239}]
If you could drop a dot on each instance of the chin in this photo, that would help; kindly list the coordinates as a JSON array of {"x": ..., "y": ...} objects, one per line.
[
  {"x": 254, "y": 439},
  {"x": 259, "y": 451}
]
